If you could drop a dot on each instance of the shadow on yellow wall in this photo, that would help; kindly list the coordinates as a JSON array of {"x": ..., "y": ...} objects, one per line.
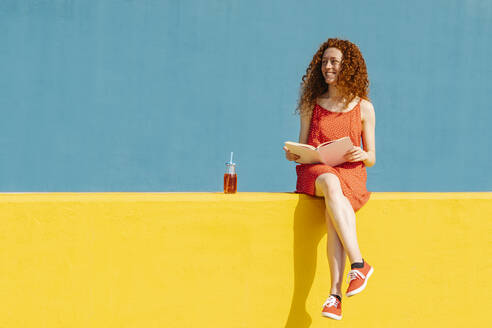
[{"x": 309, "y": 228}]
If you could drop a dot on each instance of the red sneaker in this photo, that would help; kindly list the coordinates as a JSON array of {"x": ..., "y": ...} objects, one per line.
[
  {"x": 358, "y": 279},
  {"x": 332, "y": 308}
]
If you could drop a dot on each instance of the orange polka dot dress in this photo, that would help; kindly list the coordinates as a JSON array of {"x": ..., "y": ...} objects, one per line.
[{"x": 326, "y": 126}]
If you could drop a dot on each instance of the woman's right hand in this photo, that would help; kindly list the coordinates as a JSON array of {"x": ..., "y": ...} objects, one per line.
[{"x": 290, "y": 156}]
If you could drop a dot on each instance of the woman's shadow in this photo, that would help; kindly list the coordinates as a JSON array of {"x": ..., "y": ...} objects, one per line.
[{"x": 309, "y": 228}]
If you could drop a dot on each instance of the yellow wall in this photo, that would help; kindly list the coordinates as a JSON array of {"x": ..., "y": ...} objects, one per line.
[{"x": 246, "y": 260}]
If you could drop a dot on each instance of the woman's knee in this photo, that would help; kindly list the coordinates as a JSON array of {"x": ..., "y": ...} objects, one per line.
[{"x": 329, "y": 185}]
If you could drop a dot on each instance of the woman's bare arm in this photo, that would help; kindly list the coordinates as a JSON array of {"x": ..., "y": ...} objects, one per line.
[
  {"x": 303, "y": 135},
  {"x": 305, "y": 123},
  {"x": 368, "y": 132}
]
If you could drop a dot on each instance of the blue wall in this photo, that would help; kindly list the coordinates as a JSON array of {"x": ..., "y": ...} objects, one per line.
[{"x": 153, "y": 95}]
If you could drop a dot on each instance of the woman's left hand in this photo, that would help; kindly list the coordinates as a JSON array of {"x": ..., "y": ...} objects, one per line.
[{"x": 356, "y": 154}]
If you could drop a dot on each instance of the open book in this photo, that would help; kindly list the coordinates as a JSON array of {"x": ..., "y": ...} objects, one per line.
[{"x": 330, "y": 153}]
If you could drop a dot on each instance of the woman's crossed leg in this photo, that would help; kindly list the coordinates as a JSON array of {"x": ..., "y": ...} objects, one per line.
[{"x": 341, "y": 228}]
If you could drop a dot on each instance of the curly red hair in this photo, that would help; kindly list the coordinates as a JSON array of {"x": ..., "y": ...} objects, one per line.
[{"x": 352, "y": 79}]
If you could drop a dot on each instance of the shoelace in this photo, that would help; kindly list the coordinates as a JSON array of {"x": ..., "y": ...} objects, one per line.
[
  {"x": 355, "y": 274},
  {"x": 331, "y": 301}
]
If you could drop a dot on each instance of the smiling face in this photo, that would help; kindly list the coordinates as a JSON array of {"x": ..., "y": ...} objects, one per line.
[{"x": 331, "y": 64}]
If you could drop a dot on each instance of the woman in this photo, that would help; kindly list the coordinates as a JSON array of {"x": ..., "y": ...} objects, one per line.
[{"x": 333, "y": 104}]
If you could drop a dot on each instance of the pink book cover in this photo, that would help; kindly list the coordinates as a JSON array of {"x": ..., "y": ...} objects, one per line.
[{"x": 332, "y": 153}]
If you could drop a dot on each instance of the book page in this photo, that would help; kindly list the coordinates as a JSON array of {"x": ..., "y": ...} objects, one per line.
[
  {"x": 308, "y": 154},
  {"x": 296, "y": 144},
  {"x": 333, "y": 153},
  {"x": 332, "y": 141}
]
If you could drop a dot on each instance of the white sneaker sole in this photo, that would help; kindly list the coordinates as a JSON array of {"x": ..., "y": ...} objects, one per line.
[
  {"x": 361, "y": 288},
  {"x": 331, "y": 315}
]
